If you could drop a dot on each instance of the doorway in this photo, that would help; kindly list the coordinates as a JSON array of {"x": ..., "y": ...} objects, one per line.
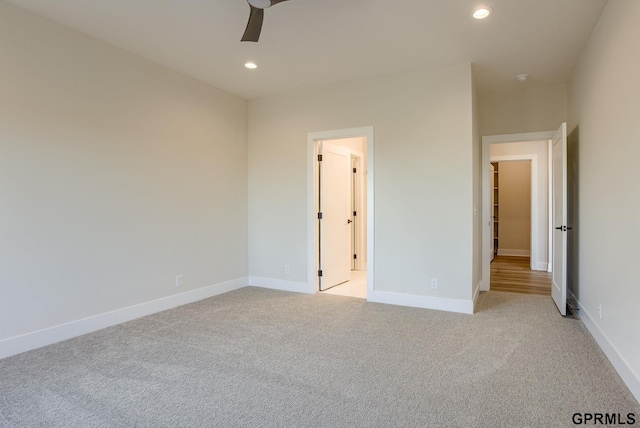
[
  {"x": 335, "y": 222},
  {"x": 340, "y": 208},
  {"x": 513, "y": 201},
  {"x": 540, "y": 250},
  {"x": 557, "y": 227},
  {"x": 513, "y": 274},
  {"x": 341, "y": 202}
]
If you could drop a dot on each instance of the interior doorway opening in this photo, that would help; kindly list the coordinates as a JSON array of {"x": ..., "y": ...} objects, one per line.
[
  {"x": 341, "y": 216},
  {"x": 341, "y": 212},
  {"x": 506, "y": 150},
  {"x": 556, "y": 228},
  {"x": 512, "y": 205}
]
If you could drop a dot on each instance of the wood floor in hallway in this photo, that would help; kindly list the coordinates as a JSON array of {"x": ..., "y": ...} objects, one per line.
[{"x": 514, "y": 274}]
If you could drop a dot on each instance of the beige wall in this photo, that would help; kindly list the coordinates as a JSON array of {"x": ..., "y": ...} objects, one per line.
[
  {"x": 116, "y": 175},
  {"x": 528, "y": 110},
  {"x": 423, "y": 133},
  {"x": 514, "y": 204},
  {"x": 477, "y": 193},
  {"x": 604, "y": 96}
]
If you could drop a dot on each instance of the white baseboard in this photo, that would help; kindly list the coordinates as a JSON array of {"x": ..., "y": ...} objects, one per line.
[
  {"x": 280, "y": 284},
  {"x": 542, "y": 266},
  {"x": 514, "y": 253},
  {"x": 622, "y": 366},
  {"x": 37, "y": 339},
  {"x": 426, "y": 302}
]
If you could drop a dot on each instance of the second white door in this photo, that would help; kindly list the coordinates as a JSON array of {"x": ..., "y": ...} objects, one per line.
[{"x": 335, "y": 208}]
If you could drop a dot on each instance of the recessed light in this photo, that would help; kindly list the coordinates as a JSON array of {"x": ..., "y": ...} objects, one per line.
[
  {"x": 251, "y": 65},
  {"x": 482, "y": 12},
  {"x": 521, "y": 78}
]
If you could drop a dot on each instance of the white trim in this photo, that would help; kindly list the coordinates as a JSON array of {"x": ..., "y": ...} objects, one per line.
[
  {"x": 370, "y": 212},
  {"x": 37, "y": 339},
  {"x": 280, "y": 284},
  {"x": 550, "y": 202},
  {"x": 425, "y": 302},
  {"x": 517, "y": 138},
  {"x": 312, "y": 201},
  {"x": 622, "y": 366},
  {"x": 486, "y": 213},
  {"x": 516, "y": 253},
  {"x": 543, "y": 266}
]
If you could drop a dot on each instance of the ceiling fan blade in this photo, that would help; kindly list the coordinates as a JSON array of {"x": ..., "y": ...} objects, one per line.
[
  {"x": 276, "y": 1},
  {"x": 254, "y": 26}
]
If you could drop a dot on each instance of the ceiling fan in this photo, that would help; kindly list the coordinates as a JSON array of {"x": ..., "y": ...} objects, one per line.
[{"x": 254, "y": 26}]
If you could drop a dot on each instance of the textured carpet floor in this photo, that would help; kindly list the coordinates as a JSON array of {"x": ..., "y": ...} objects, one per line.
[{"x": 265, "y": 358}]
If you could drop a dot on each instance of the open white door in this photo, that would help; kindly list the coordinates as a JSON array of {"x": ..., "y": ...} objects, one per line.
[
  {"x": 559, "y": 199},
  {"x": 335, "y": 215}
]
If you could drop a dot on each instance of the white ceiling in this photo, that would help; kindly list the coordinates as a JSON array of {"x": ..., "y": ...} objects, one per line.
[{"x": 307, "y": 43}]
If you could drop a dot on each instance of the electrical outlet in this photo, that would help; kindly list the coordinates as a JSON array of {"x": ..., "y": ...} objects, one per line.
[
  {"x": 434, "y": 283},
  {"x": 287, "y": 269},
  {"x": 179, "y": 280},
  {"x": 600, "y": 310}
]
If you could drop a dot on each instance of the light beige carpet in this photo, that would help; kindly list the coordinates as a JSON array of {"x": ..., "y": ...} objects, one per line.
[{"x": 264, "y": 358}]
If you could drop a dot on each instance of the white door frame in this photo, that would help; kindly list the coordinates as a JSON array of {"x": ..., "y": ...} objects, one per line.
[
  {"x": 312, "y": 202},
  {"x": 486, "y": 197}
]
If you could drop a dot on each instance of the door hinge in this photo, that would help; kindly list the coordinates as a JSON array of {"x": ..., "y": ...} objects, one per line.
[
  {"x": 319, "y": 158},
  {"x": 563, "y": 228},
  {"x": 320, "y": 272},
  {"x": 355, "y": 257},
  {"x": 354, "y": 213},
  {"x": 354, "y": 170},
  {"x": 319, "y": 216}
]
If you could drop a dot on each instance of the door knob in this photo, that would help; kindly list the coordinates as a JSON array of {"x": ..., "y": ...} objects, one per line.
[{"x": 349, "y": 221}]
